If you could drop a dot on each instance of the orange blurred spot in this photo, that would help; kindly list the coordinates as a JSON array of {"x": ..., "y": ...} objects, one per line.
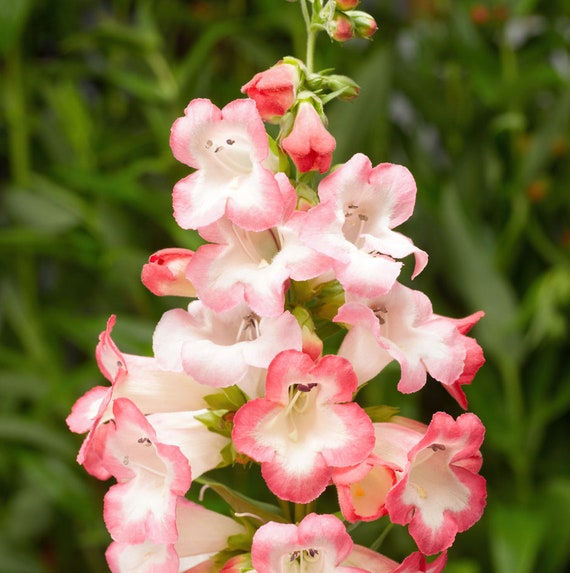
[
  {"x": 479, "y": 14},
  {"x": 537, "y": 190}
]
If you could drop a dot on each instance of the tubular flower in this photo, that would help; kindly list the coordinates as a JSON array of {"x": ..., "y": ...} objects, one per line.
[
  {"x": 201, "y": 534},
  {"x": 254, "y": 267},
  {"x": 228, "y": 148},
  {"x": 309, "y": 144},
  {"x": 439, "y": 492},
  {"x": 150, "y": 475},
  {"x": 222, "y": 349},
  {"x": 138, "y": 378},
  {"x": 305, "y": 426},
  {"x": 360, "y": 205},
  {"x": 401, "y": 326},
  {"x": 319, "y": 543}
]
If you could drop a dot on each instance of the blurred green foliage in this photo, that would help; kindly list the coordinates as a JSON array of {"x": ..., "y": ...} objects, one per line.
[{"x": 473, "y": 97}]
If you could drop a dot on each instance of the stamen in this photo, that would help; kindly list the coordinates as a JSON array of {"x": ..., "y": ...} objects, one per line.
[
  {"x": 246, "y": 245},
  {"x": 379, "y": 312},
  {"x": 306, "y": 387},
  {"x": 249, "y": 328},
  {"x": 436, "y": 447}
]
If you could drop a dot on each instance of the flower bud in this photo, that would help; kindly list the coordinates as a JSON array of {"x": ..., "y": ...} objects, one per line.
[
  {"x": 363, "y": 24},
  {"x": 347, "y": 87},
  {"x": 274, "y": 90},
  {"x": 340, "y": 28},
  {"x": 309, "y": 144},
  {"x": 165, "y": 273}
]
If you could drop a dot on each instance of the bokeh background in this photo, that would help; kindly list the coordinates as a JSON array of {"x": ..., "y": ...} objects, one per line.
[{"x": 472, "y": 96}]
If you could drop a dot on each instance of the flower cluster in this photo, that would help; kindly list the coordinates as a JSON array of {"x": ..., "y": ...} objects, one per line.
[{"x": 240, "y": 374}]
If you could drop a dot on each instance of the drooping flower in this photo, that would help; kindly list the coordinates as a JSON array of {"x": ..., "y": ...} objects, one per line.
[
  {"x": 318, "y": 543},
  {"x": 439, "y": 492},
  {"x": 353, "y": 224},
  {"x": 151, "y": 476},
  {"x": 165, "y": 273},
  {"x": 226, "y": 348},
  {"x": 309, "y": 144},
  {"x": 401, "y": 326},
  {"x": 139, "y": 378},
  {"x": 305, "y": 426},
  {"x": 228, "y": 148},
  {"x": 201, "y": 534},
  {"x": 274, "y": 90}
]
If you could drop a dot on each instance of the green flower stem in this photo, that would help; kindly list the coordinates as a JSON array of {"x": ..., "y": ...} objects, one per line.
[{"x": 311, "y": 37}]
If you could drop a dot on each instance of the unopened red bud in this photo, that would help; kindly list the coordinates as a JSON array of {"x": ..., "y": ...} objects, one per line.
[
  {"x": 274, "y": 90},
  {"x": 165, "y": 273},
  {"x": 363, "y": 24},
  {"x": 340, "y": 28}
]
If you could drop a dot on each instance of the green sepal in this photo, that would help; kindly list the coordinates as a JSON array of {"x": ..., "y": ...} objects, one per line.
[
  {"x": 217, "y": 421},
  {"x": 230, "y": 399},
  {"x": 306, "y": 194},
  {"x": 381, "y": 413}
]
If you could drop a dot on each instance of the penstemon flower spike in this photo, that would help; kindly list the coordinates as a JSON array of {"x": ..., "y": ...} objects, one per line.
[{"x": 245, "y": 371}]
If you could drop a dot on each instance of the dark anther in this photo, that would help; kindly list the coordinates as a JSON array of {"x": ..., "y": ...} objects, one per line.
[
  {"x": 436, "y": 447},
  {"x": 306, "y": 387}
]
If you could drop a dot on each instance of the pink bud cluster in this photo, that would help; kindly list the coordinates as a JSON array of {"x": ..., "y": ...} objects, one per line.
[{"x": 239, "y": 373}]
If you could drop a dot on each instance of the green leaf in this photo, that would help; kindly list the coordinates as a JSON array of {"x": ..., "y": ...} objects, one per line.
[
  {"x": 515, "y": 534},
  {"x": 472, "y": 270},
  {"x": 242, "y": 504},
  {"x": 555, "y": 503}
]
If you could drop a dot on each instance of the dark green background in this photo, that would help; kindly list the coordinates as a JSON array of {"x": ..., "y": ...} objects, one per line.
[{"x": 473, "y": 97}]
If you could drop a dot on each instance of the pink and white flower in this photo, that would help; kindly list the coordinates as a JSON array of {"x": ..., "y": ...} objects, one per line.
[
  {"x": 150, "y": 475},
  {"x": 318, "y": 543},
  {"x": 401, "y": 326},
  {"x": 138, "y": 378},
  {"x": 226, "y": 348},
  {"x": 309, "y": 144},
  {"x": 254, "y": 267},
  {"x": 201, "y": 534},
  {"x": 228, "y": 148},
  {"x": 274, "y": 90},
  {"x": 353, "y": 224},
  {"x": 439, "y": 492},
  {"x": 305, "y": 426}
]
